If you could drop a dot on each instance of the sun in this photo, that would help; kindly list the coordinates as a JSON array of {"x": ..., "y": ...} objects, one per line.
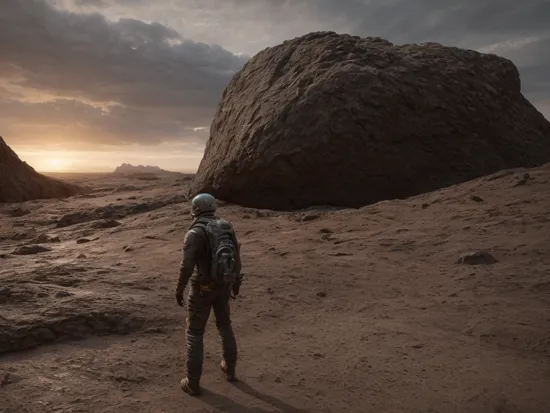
[{"x": 56, "y": 165}]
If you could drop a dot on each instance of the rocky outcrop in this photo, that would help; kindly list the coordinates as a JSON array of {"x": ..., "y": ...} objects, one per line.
[
  {"x": 328, "y": 119},
  {"x": 127, "y": 168},
  {"x": 20, "y": 182}
]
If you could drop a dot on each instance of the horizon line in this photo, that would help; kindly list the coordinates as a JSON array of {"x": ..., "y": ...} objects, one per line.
[{"x": 101, "y": 172}]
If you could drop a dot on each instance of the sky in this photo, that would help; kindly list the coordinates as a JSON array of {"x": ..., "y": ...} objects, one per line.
[{"x": 86, "y": 85}]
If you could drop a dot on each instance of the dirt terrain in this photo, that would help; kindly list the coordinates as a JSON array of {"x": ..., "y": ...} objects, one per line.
[{"x": 377, "y": 309}]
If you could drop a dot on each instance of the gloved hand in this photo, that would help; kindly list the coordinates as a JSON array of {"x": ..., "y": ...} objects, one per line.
[
  {"x": 179, "y": 298},
  {"x": 235, "y": 289}
]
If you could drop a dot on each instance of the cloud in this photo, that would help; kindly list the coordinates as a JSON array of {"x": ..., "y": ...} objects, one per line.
[
  {"x": 127, "y": 70},
  {"x": 104, "y": 125},
  {"x": 512, "y": 29},
  {"x": 518, "y": 30},
  {"x": 152, "y": 83},
  {"x": 92, "y": 3}
]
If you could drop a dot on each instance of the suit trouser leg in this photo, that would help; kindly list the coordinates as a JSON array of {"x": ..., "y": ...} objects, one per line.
[
  {"x": 225, "y": 330},
  {"x": 198, "y": 306}
]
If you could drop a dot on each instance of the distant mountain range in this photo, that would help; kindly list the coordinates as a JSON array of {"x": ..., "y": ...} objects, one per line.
[{"x": 127, "y": 168}]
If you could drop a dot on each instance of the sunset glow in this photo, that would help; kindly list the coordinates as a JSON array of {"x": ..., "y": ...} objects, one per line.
[
  {"x": 56, "y": 165},
  {"x": 178, "y": 158}
]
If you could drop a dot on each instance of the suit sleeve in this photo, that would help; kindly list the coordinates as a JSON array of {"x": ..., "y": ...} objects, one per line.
[{"x": 191, "y": 248}]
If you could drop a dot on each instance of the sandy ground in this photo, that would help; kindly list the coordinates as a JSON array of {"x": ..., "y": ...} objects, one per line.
[{"x": 362, "y": 310}]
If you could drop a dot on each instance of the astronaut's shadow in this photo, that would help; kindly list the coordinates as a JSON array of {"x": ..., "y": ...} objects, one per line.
[{"x": 225, "y": 404}]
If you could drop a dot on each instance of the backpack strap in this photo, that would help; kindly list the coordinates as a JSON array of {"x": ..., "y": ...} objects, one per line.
[
  {"x": 201, "y": 223},
  {"x": 200, "y": 226}
]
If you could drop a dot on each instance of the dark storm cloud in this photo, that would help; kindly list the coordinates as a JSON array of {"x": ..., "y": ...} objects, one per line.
[
  {"x": 163, "y": 84},
  {"x": 104, "y": 3},
  {"x": 419, "y": 20},
  {"x": 94, "y": 3},
  {"x": 518, "y": 30},
  {"x": 410, "y": 20}
]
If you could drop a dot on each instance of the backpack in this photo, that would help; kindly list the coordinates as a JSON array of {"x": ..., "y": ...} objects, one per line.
[{"x": 223, "y": 251}]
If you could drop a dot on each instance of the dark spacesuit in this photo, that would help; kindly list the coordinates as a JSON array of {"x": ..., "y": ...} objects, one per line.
[{"x": 201, "y": 299}]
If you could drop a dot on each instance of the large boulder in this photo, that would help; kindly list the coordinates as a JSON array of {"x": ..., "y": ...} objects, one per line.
[
  {"x": 328, "y": 119},
  {"x": 20, "y": 182}
]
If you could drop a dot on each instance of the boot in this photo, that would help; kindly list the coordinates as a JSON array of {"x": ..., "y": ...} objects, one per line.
[
  {"x": 228, "y": 370},
  {"x": 189, "y": 388},
  {"x": 193, "y": 367}
]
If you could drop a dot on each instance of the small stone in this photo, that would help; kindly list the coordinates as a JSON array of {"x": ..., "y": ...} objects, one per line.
[
  {"x": 424, "y": 206},
  {"x": 520, "y": 182},
  {"x": 106, "y": 223},
  {"x": 45, "y": 334},
  {"x": 310, "y": 217},
  {"x": 72, "y": 219},
  {"x": 82, "y": 240},
  {"x": 81, "y": 256},
  {"x": 19, "y": 212},
  {"x": 476, "y": 198},
  {"x": 477, "y": 258},
  {"x": 321, "y": 294},
  {"x": 325, "y": 231},
  {"x": 9, "y": 378},
  {"x": 30, "y": 250},
  {"x": 45, "y": 238}
]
